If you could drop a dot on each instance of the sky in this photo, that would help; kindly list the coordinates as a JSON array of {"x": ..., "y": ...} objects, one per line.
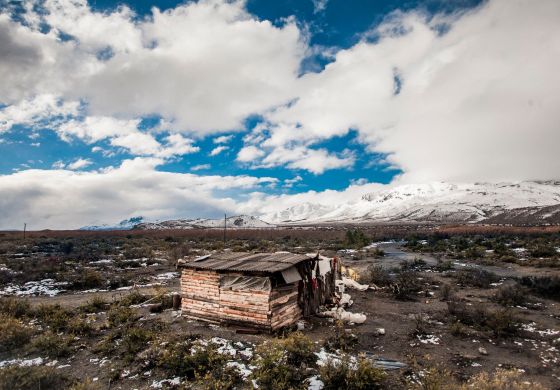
[{"x": 165, "y": 109}]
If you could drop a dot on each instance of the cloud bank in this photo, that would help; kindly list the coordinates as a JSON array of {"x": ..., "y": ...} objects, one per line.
[{"x": 462, "y": 97}]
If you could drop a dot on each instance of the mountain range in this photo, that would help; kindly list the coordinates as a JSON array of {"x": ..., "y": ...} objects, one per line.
[
  {"x": 521, "y": 203},
  {"x": 440, "y": 202}
]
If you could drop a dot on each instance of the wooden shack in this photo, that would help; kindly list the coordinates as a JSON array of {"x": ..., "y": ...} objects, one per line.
[{"x": 262, "y": 290}]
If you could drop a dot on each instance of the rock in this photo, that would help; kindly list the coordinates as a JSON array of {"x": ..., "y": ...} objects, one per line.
[
  {"x": 482, "y": 351},
  {"x": 379, "y": 331}
]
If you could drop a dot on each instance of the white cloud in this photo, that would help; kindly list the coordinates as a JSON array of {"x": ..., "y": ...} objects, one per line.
[
  {"x": 218, "y": 149},
  {"x": 200, "y": 167},
  {"x": 70, "y": 199},
  {"x": 125, "y": 134},
  {"x": 29, "y": 112},
  {"x": 203, "y": 66},
  {"x": 223, "y": 139},
  {"x": 79, "y": 164},
  {"x": 289, "y": 183},
  {"x": 249, "y": 154},
  {"x": 319, "y": 5},
  {"x": 58, "y": 165},
  {"x": 476, "y": 103},
  {"x": 313, "y": 160},
  {"x": 97, "y": 128}
]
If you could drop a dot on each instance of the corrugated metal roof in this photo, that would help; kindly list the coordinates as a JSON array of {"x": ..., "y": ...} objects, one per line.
[{"x": 247, "y": 262}]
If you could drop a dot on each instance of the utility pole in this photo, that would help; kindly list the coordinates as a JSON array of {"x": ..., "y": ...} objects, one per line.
[
  {"x": 225, "y": 227},
  {"x": 24, "y": 228}
]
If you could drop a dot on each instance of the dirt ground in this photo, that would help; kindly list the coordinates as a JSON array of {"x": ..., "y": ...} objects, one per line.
[{"x": 534, "y": 352}]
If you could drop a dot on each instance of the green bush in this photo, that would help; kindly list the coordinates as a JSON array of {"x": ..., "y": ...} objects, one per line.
[
  {"x": 121, "y": 315},
  {"x": 406, "y": 285},
  {"x": 96, "y": 305},
  {"x": 341, "y": 340},
  {"x": 376, "y": 274},
  {"x": 15, "y": 307},
  {"x": 475, "y": 277},
  {"x": 345, "y": 374},
  {"x": 34, "y": 377},
  {"x": 135, "y": 340},
  {"x": 52, "y": 345},
  {"x": 282, "y": 363},
  {"x": 190, "y": 360},
  {"x": 446, "y": 292},
  {"x": 226, "y": 378},
  {"x": 13, "y": 333},
  {"x": 545, "y": 286},
  {"x": 511, "y": 295}
]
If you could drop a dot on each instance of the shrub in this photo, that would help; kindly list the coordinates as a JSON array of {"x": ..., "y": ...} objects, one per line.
[
  {"x": 135, "y": 340},
  {"x": 86, "y": 384},
  {"x": 226, "y": 378},
  {"x": 53, "y": 316},
  {"x": 406, "y": 285},
  {"x": 118, "y": 316},
  {"x": 545, "y": 286},
  {"x": 33, "y": 377},
  {"x": 443, "y": 266},
  {"x": 281, "y": 363},
  {"x": 543, "y": 250},
  {"x": 475, "y": 277},
  {"x": 88, "y": 279},
  {"x": 51, "y": 344},
  {"x": 433, "y": 378},
  {"x": 191, "y": 361},
  {"x": 446, "y": 292},
  {"x": 377, "y": 275},
  {"x": 510, "y": 295},
  {"x": 346, "y": 374},
  {"x": 96, "y": 305},
  {"x": 501, "y": 380},
  {"x": 341, "y": 340},
  {"x": 134, "y": 298},
  {"x": 502, "y": 323},
  {"x": 79, "y": 326},
  {"x": 15, "y": 307},
  {"x": 13, "y": 333},
  {"x": 457, "y": 329}
]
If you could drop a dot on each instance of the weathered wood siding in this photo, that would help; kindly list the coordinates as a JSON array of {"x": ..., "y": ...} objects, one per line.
[
  {"x": 250, "y": 307},
  {"x": 202, "y": 298},
  {"x": 200, "y": 292},
  {"x": 284, "y": 306}
]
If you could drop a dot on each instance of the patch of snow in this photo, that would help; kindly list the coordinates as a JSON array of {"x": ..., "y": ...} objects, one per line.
[
  {"x": 167, "y": 276},
  {"x": 22, "y": 362},
  {"x": 47, "y": 287},
  {"x": 315, "y": 383},
  {"x": 172, "y": 382},
  {"x": 428, "y": 339}
]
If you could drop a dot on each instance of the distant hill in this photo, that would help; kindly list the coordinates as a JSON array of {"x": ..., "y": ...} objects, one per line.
[
  {"x": 236, "y": 222},
  {"x": 501, "y": 203},
  {"x": 125, "y": 224}
]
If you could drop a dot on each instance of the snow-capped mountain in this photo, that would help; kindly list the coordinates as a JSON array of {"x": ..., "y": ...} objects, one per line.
[
  {"x": 236, "y": 222},
  {"x": 122, "y": 225},
  {"x": 437, "y": 202}
]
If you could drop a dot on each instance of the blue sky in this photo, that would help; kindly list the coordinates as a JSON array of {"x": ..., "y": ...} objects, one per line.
[
  {"x": 189, "y": 109},
  {"x": 338, "y": 24}
]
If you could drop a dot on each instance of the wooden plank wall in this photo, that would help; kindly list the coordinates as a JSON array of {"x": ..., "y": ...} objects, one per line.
[
  {"x": 247, "y": 306},
  {"x": 203, "y": 299},
  {"x": 200, "y": 292},
  {"x": 284, "y": 306}
]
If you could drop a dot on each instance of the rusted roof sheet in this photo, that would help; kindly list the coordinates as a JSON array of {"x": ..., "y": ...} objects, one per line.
[{"x": 247, "y": 262}]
